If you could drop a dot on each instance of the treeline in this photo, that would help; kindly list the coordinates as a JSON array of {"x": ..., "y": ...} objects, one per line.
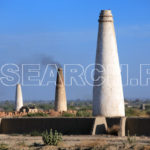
[
  {"x": 9, "y": 106},
  {"x": 72, "y": 104}
]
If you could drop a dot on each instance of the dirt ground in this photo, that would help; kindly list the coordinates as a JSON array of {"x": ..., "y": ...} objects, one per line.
[{"x": 86, "y": 142}]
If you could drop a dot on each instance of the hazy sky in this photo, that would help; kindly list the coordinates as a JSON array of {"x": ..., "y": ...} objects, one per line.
[{"x": 65, "y": 31}]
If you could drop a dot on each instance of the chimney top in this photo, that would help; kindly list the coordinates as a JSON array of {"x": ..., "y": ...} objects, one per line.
[
  {"x": 105, "y": 16},
  {"x": 105, "y": 12},
  {"x": 60, "y": 69}
]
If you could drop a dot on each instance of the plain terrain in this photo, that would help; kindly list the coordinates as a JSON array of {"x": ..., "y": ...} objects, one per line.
[
  {"x": 100, "y": 142},
  {"x": 76, "y": 109}
]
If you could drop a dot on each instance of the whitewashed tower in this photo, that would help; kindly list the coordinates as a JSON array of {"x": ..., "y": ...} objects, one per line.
[
  {"x": 19, "y": 98},
  {"x": 108, "y": 99},
  {"x": 60, "y": 93}
]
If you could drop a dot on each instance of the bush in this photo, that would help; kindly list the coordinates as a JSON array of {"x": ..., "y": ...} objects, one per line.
[
  {"x": 113, "y": 130},
  {"x": 50, "y": 138},
  {"x": 66, "y": 114},
  {"x": 131, "y": 139},
  {"x": 39, "y": 114},
  {"x": 83, "y": 113}
]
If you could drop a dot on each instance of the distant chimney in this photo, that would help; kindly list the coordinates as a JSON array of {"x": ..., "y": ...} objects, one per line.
[
  {"x": 142, "y": 106},
  {"x": 19, "y": 98},
  {"x": 60, "y": 94}
]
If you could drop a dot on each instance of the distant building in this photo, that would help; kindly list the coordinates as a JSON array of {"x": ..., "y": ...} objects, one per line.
[
  {"x": 126, "y": 103},
  {"x": 142, "y": 107},
  {"x": 29, "y": 109}
]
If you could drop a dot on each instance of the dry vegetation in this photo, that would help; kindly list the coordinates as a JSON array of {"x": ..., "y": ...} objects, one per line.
[{"x": 113, "y": 130}]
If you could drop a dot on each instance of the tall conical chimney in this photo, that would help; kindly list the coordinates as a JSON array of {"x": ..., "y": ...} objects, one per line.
[
  {"x": 60, "y": 94},
  {"x": 19, "y": 98},
  {"x": 108, "y": 99}
]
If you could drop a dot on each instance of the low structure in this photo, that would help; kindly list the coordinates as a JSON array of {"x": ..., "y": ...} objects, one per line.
[
  {"x": 28, "y": 109},
  {"x": 77, "y": 126},
  {"x": 67, "y": 126}
]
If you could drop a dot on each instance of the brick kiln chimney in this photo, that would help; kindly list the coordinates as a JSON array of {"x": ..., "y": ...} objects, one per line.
[
  {"x": 108, "y": 99},
  {"x": 60, "y": 94},
  {"x": 19, "y": 98}
]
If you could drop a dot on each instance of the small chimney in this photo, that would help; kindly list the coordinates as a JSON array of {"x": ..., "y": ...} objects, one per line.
[
  {"x": 142, "y": 107},
  {"x": 19, "y": 98},
  {"x": 60, "y": 93}
]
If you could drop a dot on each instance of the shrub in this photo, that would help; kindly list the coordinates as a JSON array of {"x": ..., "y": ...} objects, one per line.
[
  {"x": 39, "y": 114},
  {"x": 83, "y": 113},
  {"x": 131, "y": 139},
  {"x": 50, "y": 138},
  {"x": 113, "y": 130},
  {"x": 67, "y": 114}
]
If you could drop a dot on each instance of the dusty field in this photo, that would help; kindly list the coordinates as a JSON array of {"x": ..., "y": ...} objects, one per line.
[{"x": 105, "y": 142}]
